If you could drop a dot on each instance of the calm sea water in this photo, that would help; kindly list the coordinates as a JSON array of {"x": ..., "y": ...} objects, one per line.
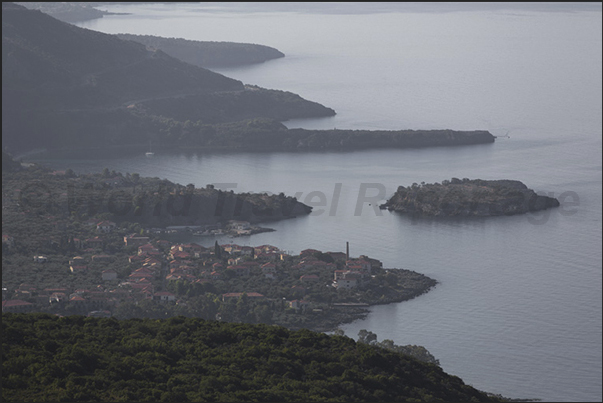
[{"x": 517, "y": 310}]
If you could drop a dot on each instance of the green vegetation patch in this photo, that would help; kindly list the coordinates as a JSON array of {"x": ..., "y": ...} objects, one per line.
[
  {"x": 467, "y": 198},
  {"x": 51, "y": 358}
]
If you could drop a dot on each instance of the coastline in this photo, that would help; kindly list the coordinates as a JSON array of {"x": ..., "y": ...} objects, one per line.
[{"x": 344, "y": 313}]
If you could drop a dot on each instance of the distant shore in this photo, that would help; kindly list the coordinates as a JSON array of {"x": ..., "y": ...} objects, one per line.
[
  {"x": 70, "y": 12},
  {"x": 295, "y": 140}
]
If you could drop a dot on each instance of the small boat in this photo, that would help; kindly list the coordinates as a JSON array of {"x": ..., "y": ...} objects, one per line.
[{"x": 150, "y": 153}]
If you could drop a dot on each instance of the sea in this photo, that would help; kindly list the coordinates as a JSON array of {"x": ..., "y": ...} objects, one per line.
[{"x": 517, "y": 308}]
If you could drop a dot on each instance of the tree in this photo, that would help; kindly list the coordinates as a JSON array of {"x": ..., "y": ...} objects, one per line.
[
  {"x": 217, "y": 250},
  {"x": 262, "y": 314},
  {"x": 365, "y": 336}
]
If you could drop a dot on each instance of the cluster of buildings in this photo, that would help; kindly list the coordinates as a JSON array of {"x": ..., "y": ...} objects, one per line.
[
  {"x": 158, "y": 262},
  {"x": 28, "y": 298}
]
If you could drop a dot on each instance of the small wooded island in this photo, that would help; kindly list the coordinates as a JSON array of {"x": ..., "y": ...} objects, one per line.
[{"x": 466, "y": 198}]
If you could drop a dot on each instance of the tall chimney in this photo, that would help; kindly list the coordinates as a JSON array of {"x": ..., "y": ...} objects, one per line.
[{"x": 347, "y": 251}]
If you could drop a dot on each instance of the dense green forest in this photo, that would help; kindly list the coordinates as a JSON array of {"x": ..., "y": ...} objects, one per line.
[{"x": 50, "y": 358}]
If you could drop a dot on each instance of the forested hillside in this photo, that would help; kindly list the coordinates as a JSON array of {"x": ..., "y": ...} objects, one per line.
[
  {"x": 50, "y": 358},
  {"x": 62, "y": 66}
]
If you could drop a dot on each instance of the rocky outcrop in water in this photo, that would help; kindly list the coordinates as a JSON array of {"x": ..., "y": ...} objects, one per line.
[{"x": 466, "y": 198}]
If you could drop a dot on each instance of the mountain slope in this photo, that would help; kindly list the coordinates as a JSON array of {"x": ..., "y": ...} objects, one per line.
[
  {"x": 41, "y": 53},
  {"x": 65, "y": 86}
]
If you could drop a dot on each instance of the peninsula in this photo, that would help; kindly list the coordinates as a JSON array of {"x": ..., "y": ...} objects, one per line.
[
  {"x": 130, "y": 198},
  {"x": 208, "y": 53},
  {"x": 66, "y": 87},
  {"x": 269, "y": 134},
  {"x": 467, "y": 198}
]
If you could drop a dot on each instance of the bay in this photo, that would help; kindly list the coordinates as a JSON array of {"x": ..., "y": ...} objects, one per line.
[{"x": 517, "y": 310}]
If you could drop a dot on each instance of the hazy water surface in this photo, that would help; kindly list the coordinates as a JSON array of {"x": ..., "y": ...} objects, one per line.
[{"x": 517, "y": 310}]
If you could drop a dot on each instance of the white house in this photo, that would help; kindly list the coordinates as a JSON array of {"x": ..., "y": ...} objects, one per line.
[
  {"x": 247, "y": 250},
  {"x": 345, "y": 283},
  {"x": 105, "y": 226},
  {"x": 164, "y": 296},
  {"x": 297, "y": 304},
  {"x": 269, "y": 270},
  {"x": 239, "y": 225}
]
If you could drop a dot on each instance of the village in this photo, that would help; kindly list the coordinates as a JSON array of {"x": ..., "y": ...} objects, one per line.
[
  {"x": 146, "y": 273},
  {"x": 68, "y": 248}
]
